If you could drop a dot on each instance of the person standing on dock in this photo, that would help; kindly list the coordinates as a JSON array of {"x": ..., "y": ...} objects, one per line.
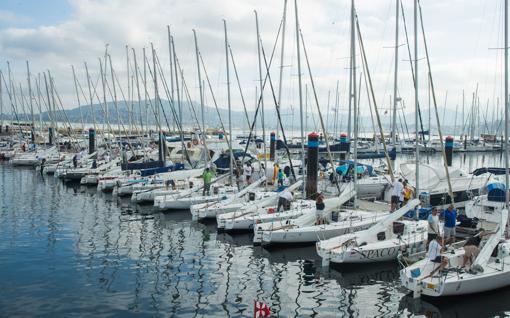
[
  {"x": 450, "y": 222},
  {"x": 396, "y": 194},
  {"x": 248, "y": 170},
  {"x": 207, "y": 176}
]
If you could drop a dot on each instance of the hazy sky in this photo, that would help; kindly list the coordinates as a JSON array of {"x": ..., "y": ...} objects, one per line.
[{"x": 55, "y": 34}]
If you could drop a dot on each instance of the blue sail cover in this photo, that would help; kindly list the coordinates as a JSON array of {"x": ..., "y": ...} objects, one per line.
[
  {"x": 496, "y": 192},
  {"x": 343, "y": 164}
]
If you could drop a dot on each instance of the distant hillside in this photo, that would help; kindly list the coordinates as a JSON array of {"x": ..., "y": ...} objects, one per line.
[{"x": 290, "y": 118}]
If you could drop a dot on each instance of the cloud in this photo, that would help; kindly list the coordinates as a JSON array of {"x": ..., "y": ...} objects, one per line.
[{"x": 457, "y": 61}]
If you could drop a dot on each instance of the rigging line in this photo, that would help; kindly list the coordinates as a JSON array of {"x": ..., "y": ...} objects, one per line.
[
  {"x": 278, "y": 113},
  {"x": 321, "y": 119},
  {"x": 178, "y": 121},
  {"x": 450, "y": 190},
  {"x": 214, "y": 101},
  {"x": 262, "y": 90},
  {"x": 186, "y": 91},
  {"x": 12, "y": 104},
  {"x": 239, "y": 85},
  {"x": 412, "y": 70},
  {"x": 367, "y": 71}
]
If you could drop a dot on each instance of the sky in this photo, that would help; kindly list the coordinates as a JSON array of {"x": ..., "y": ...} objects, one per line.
[{"x": 464, "y": 39}]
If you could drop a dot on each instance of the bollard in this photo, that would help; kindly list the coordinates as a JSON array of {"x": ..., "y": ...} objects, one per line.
[
  {"x": 345, "y": 146},
  {"x": 92, "y": 140},
  {"x": 272, "y": 146},
  {"x": 311, "y": 172},
  {"x": 50, "y": 135},
  {"x": 448, "y": 149}
]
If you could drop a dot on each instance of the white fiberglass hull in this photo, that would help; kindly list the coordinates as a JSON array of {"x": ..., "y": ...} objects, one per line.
[{"x": 311, "y": 234}]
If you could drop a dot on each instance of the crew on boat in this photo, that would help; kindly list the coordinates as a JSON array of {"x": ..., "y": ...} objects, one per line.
[
  {"x": 472, "y": 247},
  {"x": 207, "y": 176},
  {"x": 319, "y": 209},
  {"x": 450, "y": 223},
  {"x": 433, "y": 226},
  {"x": 284, "y": 200},
  {"x": 396, "y": 194}
]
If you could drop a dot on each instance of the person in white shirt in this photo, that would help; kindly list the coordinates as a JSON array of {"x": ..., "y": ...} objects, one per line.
[
  {"x": 435, "y": 256},
  {"x": 433, "y": 225},
  {"x": 284, "y": 199},
  {"x": 397, "y": 194},
  {"x": 247, "y": 171}
]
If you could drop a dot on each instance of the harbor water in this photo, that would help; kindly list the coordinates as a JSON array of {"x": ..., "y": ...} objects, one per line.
[{"x": 69, "y": 250}]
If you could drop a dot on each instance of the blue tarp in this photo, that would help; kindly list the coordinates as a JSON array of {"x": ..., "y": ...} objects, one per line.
[{"x": 496, "y": 192}]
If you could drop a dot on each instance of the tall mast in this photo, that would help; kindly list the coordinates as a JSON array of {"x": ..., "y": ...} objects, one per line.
[
  {"x": 78, "y": 98},
  {"x": 178, "y": 98},
  {"x": 156, "y": 94},
  {"x": 138, "y": 89},
  {"x": 200, "y": 88},
  {"x": 354, "y": 103},
  {"x": 129, "y": 104},
  {"x": 91, "y": 97},
  {"x": 31, "y": 102},
  {"x": 352, "y": 83},
  {"x": 417, "y": 185},
  {"x": 261, "y": 94},
  {"x": 146, "y": 92},
  {"x": 171, "y": 67},
  {"x": 300, "y": 98},
  {"x": 506, "y": 102},
  {"x": 1, "y": 104},
  {"x": 282, "y": 55},
  {"x": 395, "y": 89},
  {"x": 229, "y": 105}
]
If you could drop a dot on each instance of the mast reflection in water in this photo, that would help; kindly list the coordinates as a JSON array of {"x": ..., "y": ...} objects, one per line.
[{"x": 70, "y": 250}]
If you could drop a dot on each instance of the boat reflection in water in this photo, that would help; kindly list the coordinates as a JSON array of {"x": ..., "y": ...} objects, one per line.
[{"x": 491, "y": 304}]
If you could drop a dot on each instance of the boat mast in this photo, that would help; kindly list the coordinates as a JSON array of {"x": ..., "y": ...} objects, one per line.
[
  {"x": 1, "y": 104},
  {"x": 351, "y": 83},
  {"x": 231, "y": 155},
  {"x": 395, "y": 89},
  {"x": 31, "y": 102},
  {"x": 200, "y": 88},
  {"x": 174, "y": 57},
  {"x": 506, "y": 102},
  {"x": 138, "y": 90},
  {"x": 261, "y": 96},
  {"x": 282, "y": 53},
  {"x": 300, "y": 98},
  {"x": 78, "y": 98},
  {"x": 171, "y": 68},
  {"x": 354, "y": 103},
  {"x": 417, "y": 177}
]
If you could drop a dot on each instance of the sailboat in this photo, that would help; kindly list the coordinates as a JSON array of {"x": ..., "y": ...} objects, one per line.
[
  {"x": 488, "y": 271},
  {"x": 383, "y": 241}
]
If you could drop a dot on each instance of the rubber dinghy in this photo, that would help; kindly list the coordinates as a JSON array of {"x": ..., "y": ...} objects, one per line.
[
  {"x": 304, "y": 230},
  {"x": 487, "y": 273},
  {"x": 383, "y": 241},
  {"x": 245, "y": 217},
  {"x": 236, "y": 201}
]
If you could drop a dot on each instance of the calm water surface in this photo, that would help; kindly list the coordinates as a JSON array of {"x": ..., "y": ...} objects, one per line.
[{"x": 73, "y": 251}]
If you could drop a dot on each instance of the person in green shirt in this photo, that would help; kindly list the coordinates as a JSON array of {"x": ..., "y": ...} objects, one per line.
[{"x": 207, "y": 176}]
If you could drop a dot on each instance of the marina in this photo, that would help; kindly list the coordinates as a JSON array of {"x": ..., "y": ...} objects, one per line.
[{"x": 206, "y": 176}]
